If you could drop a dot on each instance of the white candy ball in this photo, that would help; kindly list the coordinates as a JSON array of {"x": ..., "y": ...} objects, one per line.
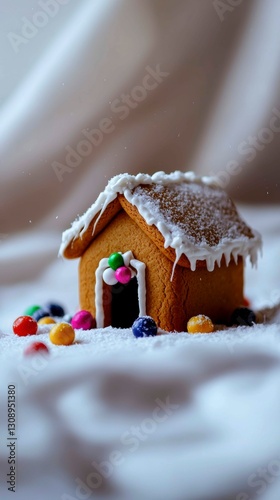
[{"x": 109, "y": 277}]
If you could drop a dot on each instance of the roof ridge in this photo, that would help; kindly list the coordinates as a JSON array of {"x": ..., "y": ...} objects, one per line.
[{"x": 233, "y": 241}]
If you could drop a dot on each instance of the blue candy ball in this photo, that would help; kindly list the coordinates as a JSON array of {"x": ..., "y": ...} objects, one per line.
[
  {"x": 242, "y": 316},
  {"x": 144, "y": 326},
  {"x": 55, "y": 309},
  {"x": 40, "y": 313}
]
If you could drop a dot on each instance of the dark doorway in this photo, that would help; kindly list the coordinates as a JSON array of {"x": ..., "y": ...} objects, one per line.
[{"x": 124, "y": 306}]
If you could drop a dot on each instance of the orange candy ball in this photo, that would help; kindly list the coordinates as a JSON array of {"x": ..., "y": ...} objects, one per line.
[
  {"x": 62, "y": 334},
  {"x": 200, "y": 324},
  {"x": 47, "y": 320}
]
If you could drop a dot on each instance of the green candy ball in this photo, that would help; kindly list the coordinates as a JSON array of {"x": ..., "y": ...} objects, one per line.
[
  {"x": 31, "y": 310},
  {"x": 115, "y": 261}
]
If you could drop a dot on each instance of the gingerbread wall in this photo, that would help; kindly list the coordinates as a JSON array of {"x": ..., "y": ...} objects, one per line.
[{"x": 170, "y": 303}]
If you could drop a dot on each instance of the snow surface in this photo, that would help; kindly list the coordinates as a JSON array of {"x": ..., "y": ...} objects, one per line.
[{"x": 175, "y": 417}]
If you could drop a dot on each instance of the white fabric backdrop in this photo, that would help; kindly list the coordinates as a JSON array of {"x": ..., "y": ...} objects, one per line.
[
  {"x": 222, "y": 87},
  {"x": 218, "y": 104}
]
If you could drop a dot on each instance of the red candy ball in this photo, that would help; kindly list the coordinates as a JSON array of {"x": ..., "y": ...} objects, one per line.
[
  {"x": 123, "y": 275},
  {"x": 25, "y": 325},
  {"x": 36, "y": 348},
  {"x": 246, "y": 302}
]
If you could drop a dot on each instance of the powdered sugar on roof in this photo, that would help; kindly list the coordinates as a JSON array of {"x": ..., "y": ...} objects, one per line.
[{"x": 193, "y": 214}]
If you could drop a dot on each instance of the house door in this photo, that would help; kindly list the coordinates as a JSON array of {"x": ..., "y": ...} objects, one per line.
[
  {"x": 124, "y": 305},
  {"x": 117, "y": 304}
]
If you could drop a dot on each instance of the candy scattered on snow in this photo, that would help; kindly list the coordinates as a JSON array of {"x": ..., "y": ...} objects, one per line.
[
  {"x": 40, "y": 313},
  {"x": 47, "y": 320},
  {"x": 25, "y": 325},
  {"x": 242, "y": 316},
  {"x": 144, "y": 326},
  {"x": 246, "y": 302},
  {"x": 29, "y": 311},
  {"x": 36, "y": 348},
  {"x": 67, "y": 318},
  {"x": 54, "y": 309},
  {"x": 62, "y": 334},
  {"x": 83, "y": 320},
  {"x": 200, "y": 324}
]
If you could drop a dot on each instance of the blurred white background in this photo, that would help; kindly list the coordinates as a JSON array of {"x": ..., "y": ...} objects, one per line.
[
  {"x": 65, "y": 63},
  {"x": 92, "y": 88}
]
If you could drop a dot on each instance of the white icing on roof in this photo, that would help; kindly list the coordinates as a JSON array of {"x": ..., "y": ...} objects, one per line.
[{"x": 190, "y": 237}]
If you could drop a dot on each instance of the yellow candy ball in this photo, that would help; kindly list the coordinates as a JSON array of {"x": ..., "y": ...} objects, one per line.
[
  {"x": 62, "y": 334},
  {"x": 46, "y": 321},
  {"x": 200, "y": 324}
]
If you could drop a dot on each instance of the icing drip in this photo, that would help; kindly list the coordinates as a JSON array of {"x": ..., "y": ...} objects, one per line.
[{"x": 123, "y": 184}]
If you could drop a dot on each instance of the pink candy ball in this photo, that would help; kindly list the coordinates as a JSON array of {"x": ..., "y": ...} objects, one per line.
[
  {"x": 123, "y": 275},
  {"x": 83, "y": 320}
]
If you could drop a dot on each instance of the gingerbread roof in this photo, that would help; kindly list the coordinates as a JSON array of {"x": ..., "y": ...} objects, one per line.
[{"x": 189, "y": 217}]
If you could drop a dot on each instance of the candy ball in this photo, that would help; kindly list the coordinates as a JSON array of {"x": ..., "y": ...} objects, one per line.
[
  {"x": 31, "y": 310},
  {"x": 67, "y": 318},
  {"x": 54, "y": 309},
  {"x": 36, "y": 348},
  {"x": 115, "y": 260},
  {"x": 242, "y": 316},
  {"x": 40, "y": 313},
  {"x": 25, "y": 325},
  {"x": 123, "y": 275},
  {"x": 200, "y": 324},
  {"x": 246, "y": 302},
  {"x": 62, "y": 334},
  {"x": 144, "y": 326},
  {"x": 46, "y": 321},
  {"x": 109, "y": 277},
  {"x": 83, "y": 320}
]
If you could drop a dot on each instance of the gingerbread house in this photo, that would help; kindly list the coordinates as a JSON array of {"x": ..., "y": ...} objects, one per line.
[{"x": 182, "y": 240}]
